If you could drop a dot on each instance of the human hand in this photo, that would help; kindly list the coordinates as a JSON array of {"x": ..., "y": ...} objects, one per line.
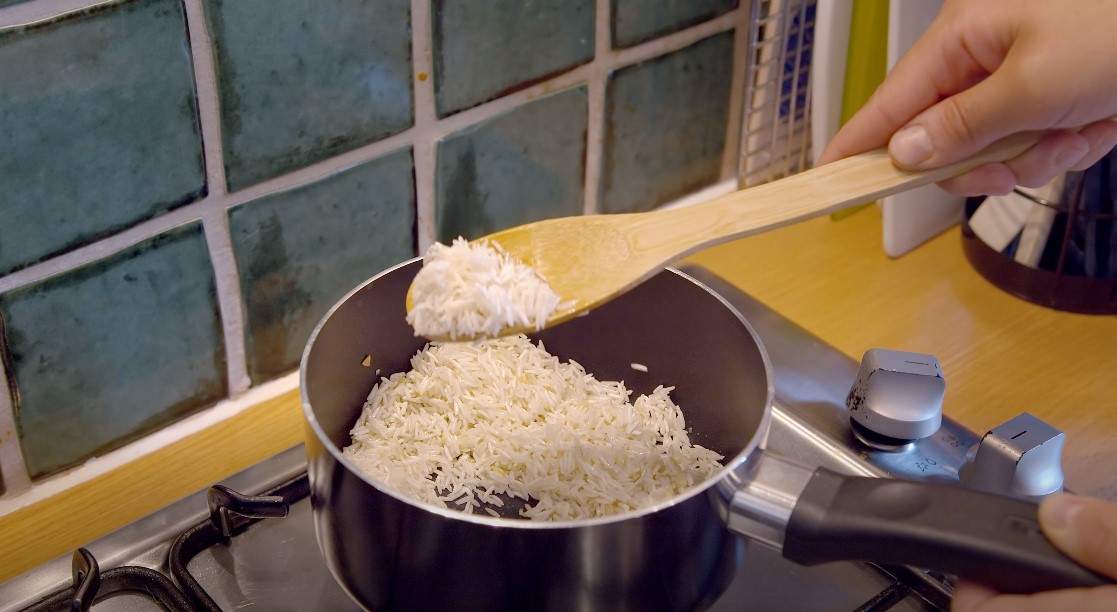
[
  {"x": 986, "y": 69},
  {"x": 1086, "y": 530}
]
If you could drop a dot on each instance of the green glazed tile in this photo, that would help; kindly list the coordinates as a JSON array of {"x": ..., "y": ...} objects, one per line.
[
  {"x": 665, "y": 122},
  {"x": 307, "y": 81},
  {"x": 486, "y": 48},
  {"x": 300, "y": 251},
  {"x": 637, "y": 21},
  {"x": 98, "y": 125},
  {"x": 525, "y": 165},
  {"x": 115, "y": 349}
]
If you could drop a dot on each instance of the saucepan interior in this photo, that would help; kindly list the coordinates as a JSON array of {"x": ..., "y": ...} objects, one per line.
[
  {"x": 390, "y": 552},
  {"x": 686, "y": 336}
]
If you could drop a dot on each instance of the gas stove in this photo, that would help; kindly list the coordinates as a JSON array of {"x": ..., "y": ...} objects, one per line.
[{"x": 249, "y": 542}]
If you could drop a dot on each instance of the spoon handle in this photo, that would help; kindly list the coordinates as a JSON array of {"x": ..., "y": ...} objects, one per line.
[{"x": 818, "y": 191}]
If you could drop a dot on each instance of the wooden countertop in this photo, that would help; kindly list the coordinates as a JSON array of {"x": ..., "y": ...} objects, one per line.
[{"x": 1001, "y": 356}]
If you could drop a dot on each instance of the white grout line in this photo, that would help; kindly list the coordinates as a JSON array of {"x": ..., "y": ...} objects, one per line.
[
  {"x": 216, "y": 226},
  {"x": 606, "y": 60},
  {"x": 195, "y": 211},
  {"x": 28, "y": 13},
  {"x": 488, "y": 110},
  {"x": 426, "y": 160},
  {"x": 595, "y": 117},
  {"x": 424, "y": 143},
  {"x": 671, "y": 42},
  {"x": 733, "y": 135},
  {"x": 102, "y": 248},
  {"x": 215, "y": 222},
  {"x": 205, "y": 79},
  {"x": 593, "y": 75},
  {"x": 12, "y": 467}
]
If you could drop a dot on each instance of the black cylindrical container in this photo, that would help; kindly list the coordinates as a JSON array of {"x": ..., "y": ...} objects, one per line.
[{"x": 1077, "y": 270}]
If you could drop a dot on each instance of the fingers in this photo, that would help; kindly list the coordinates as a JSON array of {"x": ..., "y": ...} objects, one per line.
[
  {"x": 965, "y": 123},
  {"x": 1102, "y": 137},
  {"x": 1096, "y": 599},
  {"x": 1054, "y": 154},
  {"x": 969, "y": 81},
  {"x": 970, "y": 596},
  {"x": 1084, "y": 528},
  {"x": 991, "y": 179},
  {"x": 917, "y": 81},
  {"x": 1058, "y": 152}
]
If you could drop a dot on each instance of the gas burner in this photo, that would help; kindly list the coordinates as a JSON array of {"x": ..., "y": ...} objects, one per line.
[
  {"x": 207, "y": 563},
  {"x": 92, "y": 586}
]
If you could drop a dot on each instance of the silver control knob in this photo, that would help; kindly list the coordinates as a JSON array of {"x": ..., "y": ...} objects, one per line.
[
  {"x": 1023, "y": 458},
  {"x": 896, "y": 398}
]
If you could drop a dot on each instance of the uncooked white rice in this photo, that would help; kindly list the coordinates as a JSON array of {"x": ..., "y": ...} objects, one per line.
[
  {"x": 474, "y": 421},
  {"x": 468, "y": 289},
  {"x": 639, "y": 367}
]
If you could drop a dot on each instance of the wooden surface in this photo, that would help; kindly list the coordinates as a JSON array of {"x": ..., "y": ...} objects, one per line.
[
  {"x": 1000, "y": 355},
  {"x": 60, "y": 524}
]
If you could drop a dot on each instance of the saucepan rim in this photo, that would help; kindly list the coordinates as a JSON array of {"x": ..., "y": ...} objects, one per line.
[{"x": 749, "y": 450}]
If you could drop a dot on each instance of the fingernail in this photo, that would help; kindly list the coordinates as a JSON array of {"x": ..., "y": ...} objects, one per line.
[
  {"x": 911, "y": 146},
  {"x": 1060, "y": 511}
]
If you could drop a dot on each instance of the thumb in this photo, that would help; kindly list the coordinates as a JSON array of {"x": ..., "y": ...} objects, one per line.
[
  {"x": 1084, "y": 528},
  {"x": 967, "y": 122}
]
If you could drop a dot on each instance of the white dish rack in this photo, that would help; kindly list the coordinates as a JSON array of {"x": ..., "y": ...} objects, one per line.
[{"x": 793, "y": 103}]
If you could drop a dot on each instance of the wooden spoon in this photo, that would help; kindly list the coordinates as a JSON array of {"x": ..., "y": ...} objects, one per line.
[{"x": 589, "y": 260}]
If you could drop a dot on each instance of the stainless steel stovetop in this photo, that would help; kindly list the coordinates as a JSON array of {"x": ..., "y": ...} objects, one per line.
[{"x": 274, "y": 564}]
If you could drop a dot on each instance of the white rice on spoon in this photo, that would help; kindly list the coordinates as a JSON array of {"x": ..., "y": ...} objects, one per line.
[{"x": 468, "y": 290}]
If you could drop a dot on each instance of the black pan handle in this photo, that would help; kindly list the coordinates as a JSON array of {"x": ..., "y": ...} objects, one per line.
[{"x": 987, "y": 538}]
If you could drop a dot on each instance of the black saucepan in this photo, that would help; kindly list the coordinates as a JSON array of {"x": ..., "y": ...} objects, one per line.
[{"x": 392, "y": 553}]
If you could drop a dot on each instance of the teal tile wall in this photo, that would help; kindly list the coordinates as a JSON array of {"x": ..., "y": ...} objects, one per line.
[
  {"x": 485, "y": 48},
  {"x": 525, "y": 165},
  {"x": 300, "y": 251},
  {"x": 665, "y": 126},
  {"x": 114, "y": 349},
  {"x": 111, "y": 307},
  {"x": 637, "y": 21},
  {"x": 98, "y": 125},
  {"x": 308, "y": 79}
]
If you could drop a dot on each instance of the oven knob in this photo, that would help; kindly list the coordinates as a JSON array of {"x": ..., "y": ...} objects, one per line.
[
  {"x": 1023, "y": 458},
  {"x": 896, "y": 399}
]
